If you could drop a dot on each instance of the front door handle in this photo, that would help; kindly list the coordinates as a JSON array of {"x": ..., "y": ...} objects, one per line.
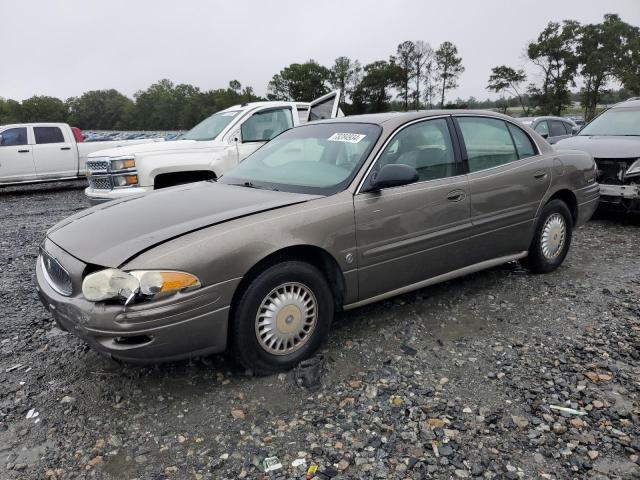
[
  {"x": 540, "y": 174},
  {"x": 65, "y": 148},
  {"x": 456, "y": 196},
  {"x": 23, "y": 151}
]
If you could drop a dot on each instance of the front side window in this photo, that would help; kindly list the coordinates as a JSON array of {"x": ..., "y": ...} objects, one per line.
[
  {"x": 211, "y": 127},
  {"x": 524, "y": 145},
  {"x": 487, "y": 141},
  {"x": 616, "y": 121},
  {"x": 48, "y": 135},
  {"x": 14, "y": 137},
  {"x": 263, "y": 126},
  {"x": 318, "y": 159},
  {"x": 542, "y": 128},
  {"x": 425, "y": 146}
]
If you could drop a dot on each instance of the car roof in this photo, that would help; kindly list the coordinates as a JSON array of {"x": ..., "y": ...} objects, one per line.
[
  {"x": 544, "y": 117},
  {"x": 394, "y": 119},
  {"x": 633, "y": 102}
]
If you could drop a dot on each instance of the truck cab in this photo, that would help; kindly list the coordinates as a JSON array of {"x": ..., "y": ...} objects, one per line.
[{"x": 205, "y": 152}]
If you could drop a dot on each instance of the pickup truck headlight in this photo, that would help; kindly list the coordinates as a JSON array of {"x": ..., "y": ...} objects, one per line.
[
  {"x": 125, "y": 180},
  {"x": 122, "y": 164},
  {"x": 114, "y": 284}
]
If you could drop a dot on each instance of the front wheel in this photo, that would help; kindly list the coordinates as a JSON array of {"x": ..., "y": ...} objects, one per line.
[
  {"x": 282, "y": 317},
  {"x": 552, "y": 238}
]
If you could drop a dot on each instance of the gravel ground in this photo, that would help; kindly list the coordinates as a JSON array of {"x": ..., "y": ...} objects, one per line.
[{"x": 452, "y": 381}]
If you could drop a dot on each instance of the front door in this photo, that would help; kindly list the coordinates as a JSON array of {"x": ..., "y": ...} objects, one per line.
[
  {"x": 53, "y": 154},
  {"x": 507, "y": 181},
  {"x": 414, "y": 232},
  {"x": 261, "y": 127},
  {"x": 16, "y": 156}
]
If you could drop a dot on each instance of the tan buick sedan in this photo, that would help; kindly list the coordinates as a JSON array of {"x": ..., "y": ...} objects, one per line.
[{"x": 328, "y": 216}]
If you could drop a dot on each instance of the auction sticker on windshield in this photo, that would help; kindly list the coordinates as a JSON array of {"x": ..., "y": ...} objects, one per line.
[{"x": 346, "y": 137}]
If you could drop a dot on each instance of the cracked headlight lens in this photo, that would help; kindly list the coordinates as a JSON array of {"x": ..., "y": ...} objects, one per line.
[{"x": 113, "y": 283}]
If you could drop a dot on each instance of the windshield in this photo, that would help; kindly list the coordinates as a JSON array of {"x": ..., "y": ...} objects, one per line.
[
  {"x": 617, "y": 121},
  {"x": 210, "y": 128},
  {"x": 319, "y": 159}
]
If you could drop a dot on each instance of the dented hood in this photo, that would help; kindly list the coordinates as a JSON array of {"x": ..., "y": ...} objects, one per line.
[
  {"x": 600, "y": 146},
  {"x": 110, "y": 234}
]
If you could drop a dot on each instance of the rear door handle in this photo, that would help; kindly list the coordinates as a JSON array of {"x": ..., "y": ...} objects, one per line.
[
  {"x": 456, "y": 196},
  {"x": 540, "y": 174},
  {"x": 23, "y": 151},
  {"x": 65, "y": 148}
]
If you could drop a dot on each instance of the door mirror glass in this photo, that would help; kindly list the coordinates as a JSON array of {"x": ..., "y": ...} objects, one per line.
[
  {"x": 394, "y": 175},
  {"x": 544, "y": 135}
]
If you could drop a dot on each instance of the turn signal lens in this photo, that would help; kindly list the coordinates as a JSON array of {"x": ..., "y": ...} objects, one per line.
[
  {"x": 153, "y": 282},
  {"x": 125, "y": 180}
]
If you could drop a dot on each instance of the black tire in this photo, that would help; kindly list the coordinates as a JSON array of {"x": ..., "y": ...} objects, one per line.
[
  {"x": 246, "y": 346},
  {"x": 537, "y": 261}
]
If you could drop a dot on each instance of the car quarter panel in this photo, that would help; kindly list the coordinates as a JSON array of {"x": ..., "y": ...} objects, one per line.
[{"x": 229, "y": 250}]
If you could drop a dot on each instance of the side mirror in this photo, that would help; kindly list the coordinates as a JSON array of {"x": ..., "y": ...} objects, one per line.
[
  {"x": 544, "y": 135},
  {"x": 394, "y": 175},
  {"x": 575, "y": 130}
]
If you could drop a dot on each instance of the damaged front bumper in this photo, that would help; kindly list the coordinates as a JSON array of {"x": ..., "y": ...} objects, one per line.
[{"x": 183, "y": 325}]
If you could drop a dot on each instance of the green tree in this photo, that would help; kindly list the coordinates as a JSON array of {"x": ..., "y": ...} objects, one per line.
[
  {"x": 505, "y": 78},
  {"x": 372, "y": 93},
  {"x": 299, "y": 82},
  {"x": 628, "y": 69},
  {"x": 601, "y": 52},
  {"x": 448, "y": 67},
  {"x": 422, "y": 69},
  {"x": 98, "y": 109},
  {"x": 9, "y": 111},
  {"x": 404, "y": 61},
  {"x": 554, "y": 54},
  {"x": 345, "y": 75},
  {"x": 43, "y": 109}
]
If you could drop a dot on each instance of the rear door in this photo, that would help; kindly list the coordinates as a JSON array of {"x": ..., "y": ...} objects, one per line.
[
  {"x": 327, "y": 106},
  {"x": 16, "y": 156},
  {"x": 414, "y": 232},
  {"x": 53, "y": 152},
  {"x": 507, "y": 181}
]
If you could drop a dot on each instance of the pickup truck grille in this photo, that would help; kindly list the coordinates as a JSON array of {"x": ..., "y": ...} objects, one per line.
[
  {"x": 97, "y": 165},
  {"x": 56, "y": 276},
  {"x": 100, "y": 183}
]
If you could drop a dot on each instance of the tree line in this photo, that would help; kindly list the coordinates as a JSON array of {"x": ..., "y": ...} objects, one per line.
[{"x": 415, "y": 76}]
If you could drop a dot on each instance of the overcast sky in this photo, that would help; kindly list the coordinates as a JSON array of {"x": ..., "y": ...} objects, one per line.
[{"x": 66, "y": 47}]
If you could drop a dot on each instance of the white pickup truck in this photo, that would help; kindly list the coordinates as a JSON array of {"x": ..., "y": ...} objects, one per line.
[
  {"x": 204, "y": 153},
  {"x": 44, "y": 152}
]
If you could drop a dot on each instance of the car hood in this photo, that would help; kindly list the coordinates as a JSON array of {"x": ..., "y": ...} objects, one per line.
[
  {"x": 603, "y": 146},
  {"x": 110, "y": 234},
  {"x": 158, "y": 148}
]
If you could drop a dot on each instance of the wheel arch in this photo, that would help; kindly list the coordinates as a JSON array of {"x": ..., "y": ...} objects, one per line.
[
  {"x": 314, "y": 255},
  {"x": 569, "y": 198}
]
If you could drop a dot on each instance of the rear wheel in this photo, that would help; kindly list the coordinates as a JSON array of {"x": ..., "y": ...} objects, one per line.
[
  {"x": 552, "y": 238},
  {"x": 282, "y": 317}
]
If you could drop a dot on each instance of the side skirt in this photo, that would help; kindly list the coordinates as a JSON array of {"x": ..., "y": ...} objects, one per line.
[{"x": 440, "y": 278}]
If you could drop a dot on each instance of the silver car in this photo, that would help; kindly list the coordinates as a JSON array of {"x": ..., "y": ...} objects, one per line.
[{"x": 327, "y": 216}]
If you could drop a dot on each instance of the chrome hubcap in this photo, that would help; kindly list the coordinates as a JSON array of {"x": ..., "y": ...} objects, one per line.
[
  {"x": 553, "y": 236},
  {"x": 286, "y": 318}
]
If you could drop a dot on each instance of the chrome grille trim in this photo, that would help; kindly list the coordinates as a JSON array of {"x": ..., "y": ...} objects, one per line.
[
  {"x": 55, "y": 275},
  {"x": 100, "y": 183}
]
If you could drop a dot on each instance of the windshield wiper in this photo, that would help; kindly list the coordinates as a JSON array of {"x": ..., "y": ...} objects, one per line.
[{"x": 253, "y": 185}]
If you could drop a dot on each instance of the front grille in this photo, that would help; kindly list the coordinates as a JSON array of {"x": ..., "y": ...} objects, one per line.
[
  {"x": 56, "y": 276},
  {"x": 100, "y": 183},
  {"x": 611, "y": 170},
  {"x": 97, "y": 165}
]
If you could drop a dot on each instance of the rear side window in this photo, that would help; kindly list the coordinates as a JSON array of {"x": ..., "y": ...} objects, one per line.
[
  {"x": 13, "y": 137},
  {"x": 487, "y": 141},
  {"x": 556, "y": 128},
  {"x": 524, "y": 145},
  {"x": 48, "y": 135}
]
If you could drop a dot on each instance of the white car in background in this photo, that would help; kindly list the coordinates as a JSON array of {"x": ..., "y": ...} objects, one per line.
[
  {"x": 205, "y": 152},
  {"x": 45, "y": 152}
]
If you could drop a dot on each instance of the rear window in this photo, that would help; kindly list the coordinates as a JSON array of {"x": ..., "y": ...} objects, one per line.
[{"x": 48, "y": 135}]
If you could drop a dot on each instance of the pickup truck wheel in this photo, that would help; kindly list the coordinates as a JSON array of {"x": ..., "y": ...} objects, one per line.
[
  {"x": 552, "y": 238},
  {"x": 282, "y": 317}
]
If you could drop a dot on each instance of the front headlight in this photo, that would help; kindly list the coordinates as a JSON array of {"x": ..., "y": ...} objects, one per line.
[
  {"x": 125, "y": 180},
  {"x": 633, "y": 170},
  {"x": 113, "y": 283},
  {"x": 122, "y": 164}
]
